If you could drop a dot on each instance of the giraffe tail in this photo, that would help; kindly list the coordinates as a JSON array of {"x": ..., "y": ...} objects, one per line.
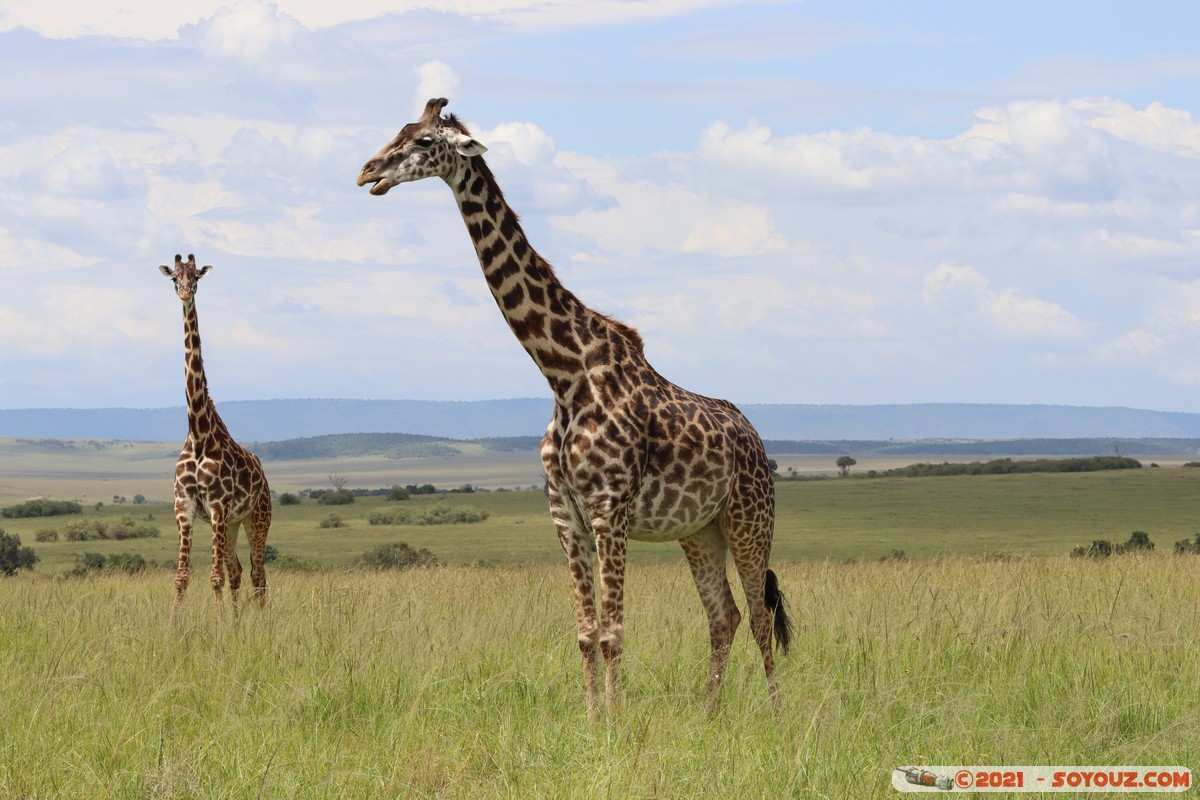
[{"x": 774, "y": 601}]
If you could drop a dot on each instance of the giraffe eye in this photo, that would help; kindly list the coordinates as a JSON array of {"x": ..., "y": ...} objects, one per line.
[{"x": 425, "y": 141}]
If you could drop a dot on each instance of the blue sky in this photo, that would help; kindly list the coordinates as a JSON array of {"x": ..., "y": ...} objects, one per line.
[{"x": 819, "y": 202}]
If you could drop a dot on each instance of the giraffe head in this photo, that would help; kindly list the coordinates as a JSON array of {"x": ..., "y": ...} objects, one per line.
[
  {"x": 434, "y": 145},
  {"x": 185, "y": 276}
]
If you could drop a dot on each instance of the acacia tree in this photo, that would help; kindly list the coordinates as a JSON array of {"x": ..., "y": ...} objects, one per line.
[{"x": 844, "y": 463}]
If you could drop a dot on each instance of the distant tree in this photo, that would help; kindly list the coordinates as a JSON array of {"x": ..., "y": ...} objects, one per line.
[
  {"x": 138, "y": 499},
  {"x": 844, "y": 463},
  {"x": 288, "y": 499},
  {"x": 338, "y": 481},
  {"x": 13, "y": 556},
  {"x": 773, "y": 465},
  {"x": 397, "y": 493}
]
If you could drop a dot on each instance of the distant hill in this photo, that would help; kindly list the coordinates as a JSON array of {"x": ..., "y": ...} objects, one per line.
[{"x": 278, "y": 420}]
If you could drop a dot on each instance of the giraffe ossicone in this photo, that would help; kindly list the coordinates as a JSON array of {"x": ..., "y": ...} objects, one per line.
[
  {"x": 216, "y": 479},
  {"x": 627, "y": 454}
]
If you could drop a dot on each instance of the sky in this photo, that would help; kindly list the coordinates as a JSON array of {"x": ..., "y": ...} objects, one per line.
[{"x": 817, "y": 202}]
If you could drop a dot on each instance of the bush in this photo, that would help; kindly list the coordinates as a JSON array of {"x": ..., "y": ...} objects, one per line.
[
  {"x": 397, "y": 555},
  {"x": 88, "y": 529},
  {"x": 333, "y": 521},
  {"x": 91, "y": 563},
  {"x": 341, "y": 497},
  {"x": 1138, "y": 540},
  {"x": 397, "y": 493},
  {"x": 270, "y": 553},
  {"x": 896, "y": 555},
  {"x": 1188, "y": 546},
  {"x": 390, "y": 516},
  {"x": 13, "y": 556},
  {"x": 288, "y": 499},
  {"x": 46, "y": 535},
  {"x": 40, "y": 507},
  {"x": 445, "y": 515}
]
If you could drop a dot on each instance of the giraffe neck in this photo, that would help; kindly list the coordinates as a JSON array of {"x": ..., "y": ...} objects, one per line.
[
  {"x": 562, "y": 335},
  {"x": 202, "y": 416}
]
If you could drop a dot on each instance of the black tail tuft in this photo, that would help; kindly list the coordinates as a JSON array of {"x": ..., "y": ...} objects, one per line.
[{"x": 775, "y": 604}]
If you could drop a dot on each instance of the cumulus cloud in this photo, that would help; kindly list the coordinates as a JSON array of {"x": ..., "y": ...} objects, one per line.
[
  {"x": 245, "y": 30},
  {"x": 964, "y": 292},
  {"x": 434, "y": 79}
]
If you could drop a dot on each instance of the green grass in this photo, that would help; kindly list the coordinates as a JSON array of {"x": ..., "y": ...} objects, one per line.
[
  {"x": 465, "y": 682},
  {"x": 836, "y": 519}
]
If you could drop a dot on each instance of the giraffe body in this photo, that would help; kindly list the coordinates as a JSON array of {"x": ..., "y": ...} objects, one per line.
[
  {"x": 627, "y": 454},
  {"x": 216, "y": 479}
]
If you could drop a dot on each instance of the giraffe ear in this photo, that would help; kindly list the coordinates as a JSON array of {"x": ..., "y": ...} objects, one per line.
[
  {"x": 203, "y": 270},
  {"x": 165, "y": 270},
  {"x": 464, "y": 144}
]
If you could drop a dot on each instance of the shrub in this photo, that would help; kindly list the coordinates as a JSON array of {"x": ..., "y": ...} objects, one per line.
[
  {"x": 46, "y": 535},
  {"x": 333, "y": 521},
  {"x": 40, "y": 507},
  {"x": 91, "y": 563},
  {"x": 896, "y": 555},
  {"x": 445, "y": 515},
  {"x": 296, "y": 563},
  {"x": 87, "y": 529},
  {"x": 397, "y": 555},
  {"x": 270, "y": 553},
  {"x": 288, "y": 499},
  {"x": 1138, "y": 540},
  {"x": 13, "y": 556},
  {"x": 1188, "y": 546},
  {"x": 390, "y": 516},
  {"x": 341, "y": 497},
  {"x": 397, "y": 493}
]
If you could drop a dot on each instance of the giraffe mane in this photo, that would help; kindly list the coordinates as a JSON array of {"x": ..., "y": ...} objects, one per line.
[{"x": 625, "y": 330}]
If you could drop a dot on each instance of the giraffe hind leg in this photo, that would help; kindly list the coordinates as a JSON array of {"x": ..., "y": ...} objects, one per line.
[
  {"x": 705, "y": 551},
  {"x": 233, "y": 567},
  {"x": 260, "y": 523}
]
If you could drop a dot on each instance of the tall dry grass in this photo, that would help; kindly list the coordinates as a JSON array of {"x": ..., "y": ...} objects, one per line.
[{"x": 465, "y": 682}]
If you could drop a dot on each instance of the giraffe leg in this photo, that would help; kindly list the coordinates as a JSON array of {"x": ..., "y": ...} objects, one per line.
[
  {"x": 183, "y": 520},
  {"x": 232, "y": 565},
  {"x": 260, "y": 523},
  {"x": 705, "y": 551},
  {"x": 576, "y": 546},
  {"x": 753, "y": 572},
  {"x": 220, "y": 526},
  {"x": 610, "y": 531}
]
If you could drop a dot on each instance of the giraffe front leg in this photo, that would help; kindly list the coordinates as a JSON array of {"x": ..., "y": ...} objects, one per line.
[
  {"x": 576, "y": 546},
  {"x": 611, "y": 544},
  {"x": 183, "y": 520},
  {"x": 216, "y": 575}
]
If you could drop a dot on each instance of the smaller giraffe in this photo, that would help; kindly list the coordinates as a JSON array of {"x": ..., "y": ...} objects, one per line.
[{"x": 215, "y": 478}]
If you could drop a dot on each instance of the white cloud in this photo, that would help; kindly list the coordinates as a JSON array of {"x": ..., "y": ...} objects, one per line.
[
  {"x": 965, "y": 293},
  {"x": 434, "y": 79},
  {"x": 246, "y": 30}
]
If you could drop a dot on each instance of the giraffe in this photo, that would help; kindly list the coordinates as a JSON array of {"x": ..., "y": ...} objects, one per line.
[
  {"x": 627, "y": 453},
  {"x": 215, "y": 477}
]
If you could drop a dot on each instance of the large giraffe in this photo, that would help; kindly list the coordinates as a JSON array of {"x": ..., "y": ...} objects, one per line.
[
  {"x": 628, "y": 454},
  {"x": 215, "y": 478}
]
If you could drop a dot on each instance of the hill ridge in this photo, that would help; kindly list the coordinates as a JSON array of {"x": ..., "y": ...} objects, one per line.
[{"x": 283, "y": 419}]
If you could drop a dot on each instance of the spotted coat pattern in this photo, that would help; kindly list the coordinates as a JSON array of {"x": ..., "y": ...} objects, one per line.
[
  {"x": 216, "y": 479},
  {"x": 627, "y": 454}
]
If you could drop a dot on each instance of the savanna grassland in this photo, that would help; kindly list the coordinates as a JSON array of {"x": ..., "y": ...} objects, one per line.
[{"x": 987, "y": 645}]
